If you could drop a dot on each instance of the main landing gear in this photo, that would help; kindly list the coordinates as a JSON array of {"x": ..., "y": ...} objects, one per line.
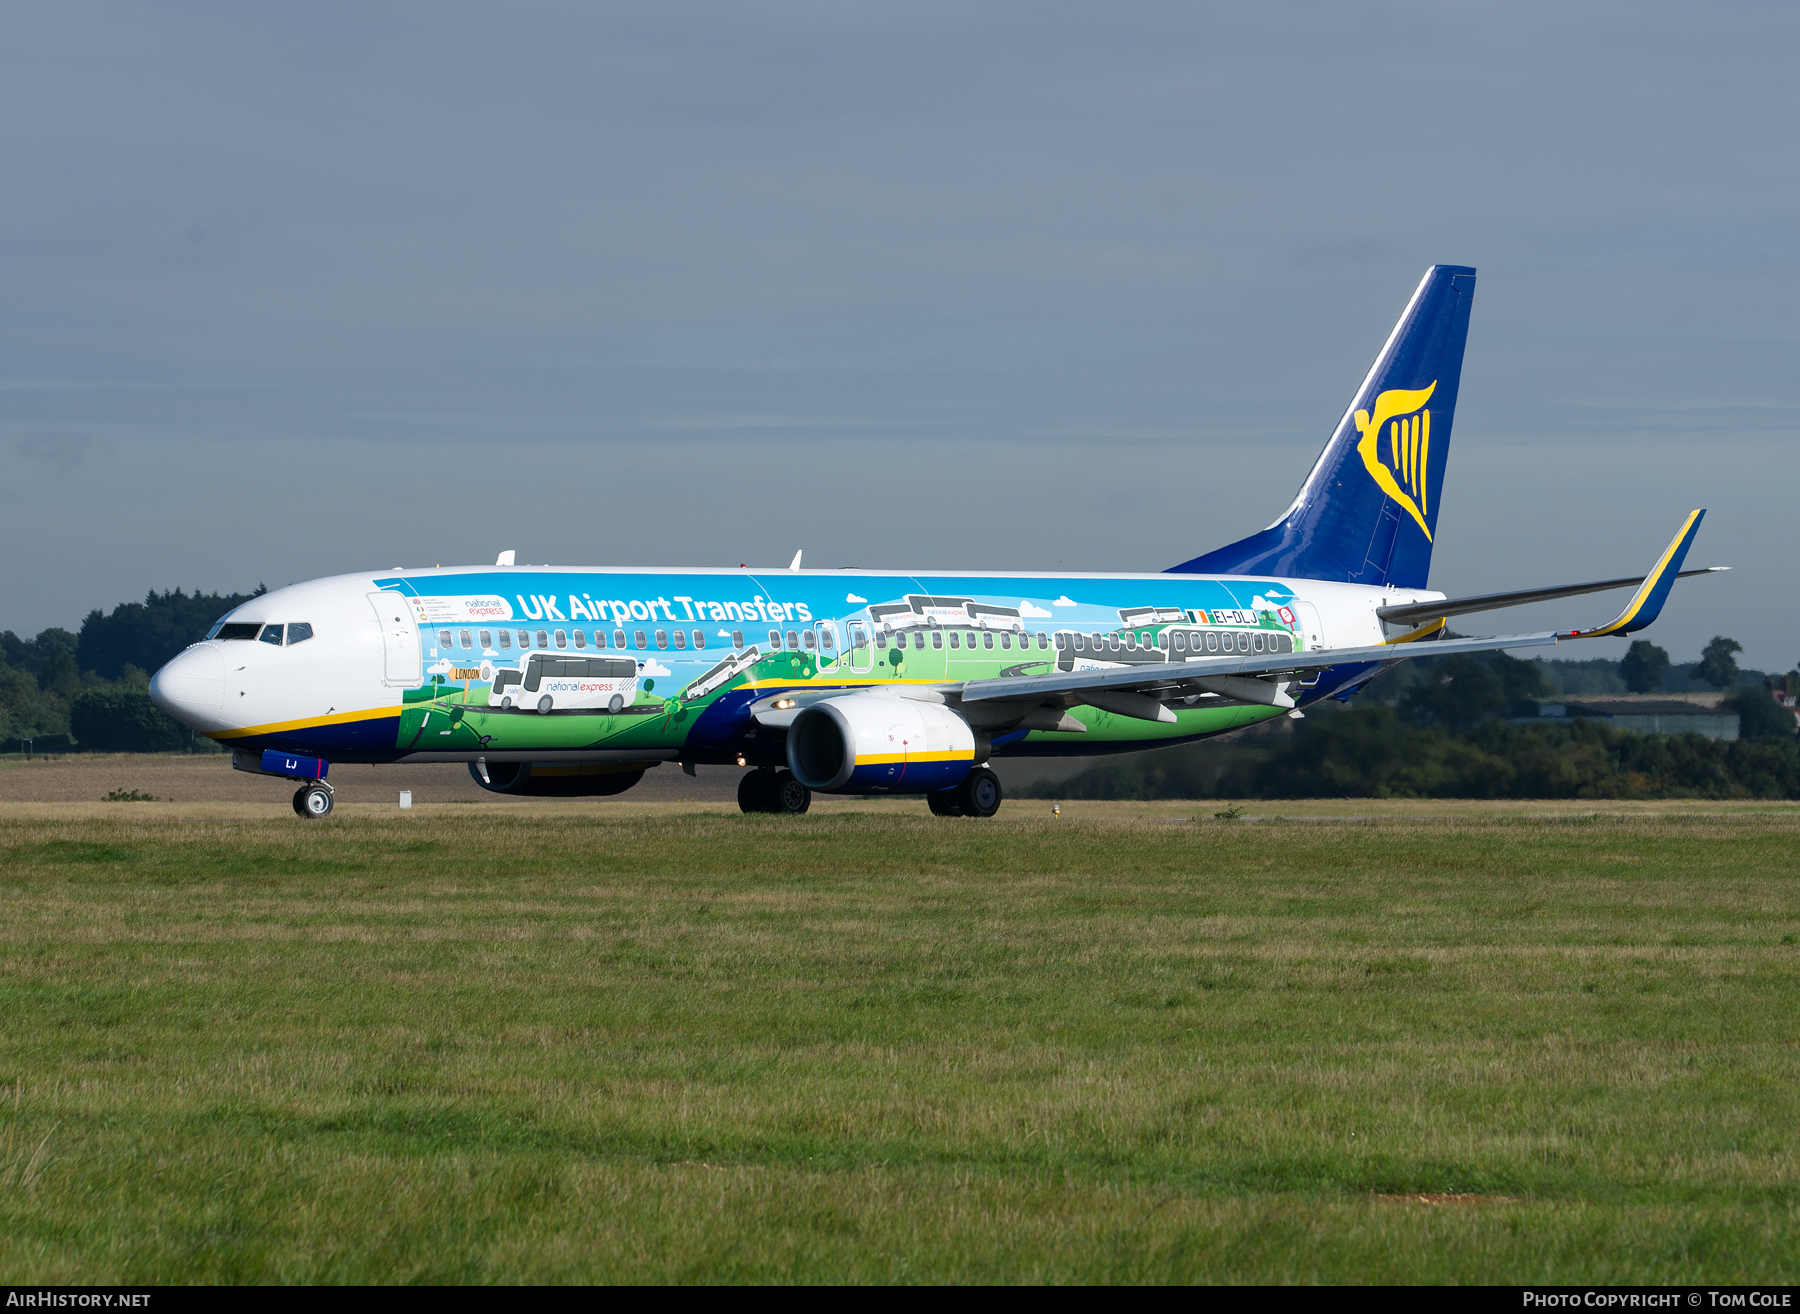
[
  {"x": 763, "y": 790},
  {"x": 979, "y": 795},
  {"x": 313, "y": 800}
]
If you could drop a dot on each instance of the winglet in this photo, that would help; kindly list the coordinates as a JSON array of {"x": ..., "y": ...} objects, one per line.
[{"x": 1647, "y": 603}]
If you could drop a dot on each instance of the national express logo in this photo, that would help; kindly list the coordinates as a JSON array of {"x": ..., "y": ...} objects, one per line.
[{"x": 1399, "y": 459}]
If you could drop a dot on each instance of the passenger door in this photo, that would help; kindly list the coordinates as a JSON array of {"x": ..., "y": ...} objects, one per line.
[{"x": 399, "y": 639}]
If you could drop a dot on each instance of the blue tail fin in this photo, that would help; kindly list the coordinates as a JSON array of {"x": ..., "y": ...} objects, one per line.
[{"x": 1368, "y": 512}]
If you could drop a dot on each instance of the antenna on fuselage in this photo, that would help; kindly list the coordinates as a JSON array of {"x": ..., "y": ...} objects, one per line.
[
  {"x": 795, "y": 563},
  {"x": 506, "y": 557}
]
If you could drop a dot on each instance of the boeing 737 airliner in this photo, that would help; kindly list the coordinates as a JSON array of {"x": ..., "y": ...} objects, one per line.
[{"x": 573, "y": 681}]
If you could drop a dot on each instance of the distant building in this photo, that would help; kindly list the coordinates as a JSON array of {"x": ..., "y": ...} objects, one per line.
[{"x": 1652, "y": 714}]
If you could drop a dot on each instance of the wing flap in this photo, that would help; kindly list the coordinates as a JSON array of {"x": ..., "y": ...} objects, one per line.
[{"x": 1196, "y": 673}]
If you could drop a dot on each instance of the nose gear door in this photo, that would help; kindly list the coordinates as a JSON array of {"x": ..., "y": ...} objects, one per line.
[{"x": 399, "y": 638}]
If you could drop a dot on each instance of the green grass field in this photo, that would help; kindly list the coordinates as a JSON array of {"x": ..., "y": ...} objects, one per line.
[{"x": 541, "y": 1043}]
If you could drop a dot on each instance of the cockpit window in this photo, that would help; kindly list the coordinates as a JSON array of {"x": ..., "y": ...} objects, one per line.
[
  {"x": 298, "y": 632},
  {"x": 271, "y": 634},
  {"x": 237, "y": 630}
]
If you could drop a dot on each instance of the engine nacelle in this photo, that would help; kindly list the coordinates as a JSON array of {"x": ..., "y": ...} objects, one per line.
[
  {"x": 872, "y": 744},
  {"x": 557, "y": 779}
]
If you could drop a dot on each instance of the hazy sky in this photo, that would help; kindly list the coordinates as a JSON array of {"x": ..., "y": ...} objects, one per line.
[{"x": 293, "y": 290}]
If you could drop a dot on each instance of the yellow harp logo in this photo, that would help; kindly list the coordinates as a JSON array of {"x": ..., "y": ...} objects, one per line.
[{"x": 1399, "y": 464}]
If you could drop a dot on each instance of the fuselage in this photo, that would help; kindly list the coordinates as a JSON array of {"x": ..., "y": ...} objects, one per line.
[{"x": 545, "y": 664}]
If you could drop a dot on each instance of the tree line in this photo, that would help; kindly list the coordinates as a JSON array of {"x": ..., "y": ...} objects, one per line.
[{"x": 90, "y": 689}]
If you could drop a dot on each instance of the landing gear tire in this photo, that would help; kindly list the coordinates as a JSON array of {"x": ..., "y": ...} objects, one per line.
[
  {"x": 791, "y": 797},
  {"x": 313, "y": 802},
  {"x": 544, "y": 705},
  {"x": 756, "y": 791},
  {"x": 980, "y": 794},
  {"x": 943, "y": 803},
  {"x": 300, "y": 801}
]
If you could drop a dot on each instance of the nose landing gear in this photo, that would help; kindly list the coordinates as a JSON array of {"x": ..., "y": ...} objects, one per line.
[{"x": 313, "y": 800}]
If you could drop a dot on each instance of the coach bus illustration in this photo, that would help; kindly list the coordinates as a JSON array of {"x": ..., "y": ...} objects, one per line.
[
  {"x": 568, "y": 684},
  {"x": 1130, "y": 616},
  {"x": 721, "y": 674},
  {"x": 934, "y": 611}
]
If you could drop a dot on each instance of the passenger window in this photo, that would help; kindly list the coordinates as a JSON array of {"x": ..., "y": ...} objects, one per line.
[
  {"x": 562, "y": 639},
  {"x": 506, "y": 638},
  {"x": 1043, "y": 641},
  {"x": 580, "y": 639},
  {"x": 809, "y": 642},
  {"x": 271, "y": 634},
  {"x": 699, "y": 639},
  {"x": 444, "y": 639},
  {"x": 299, "y": 632},
  {"x": 464, "y": 636},
  {"x": 937, "y": 638},
  {"x": 987, "y": 641},
  {"x": 524, "y": 639},
  {"x": 737, "y": 638},
  {"x": 639, "y": 636},
  {"x": 1180, "y": 644},
  {"x": 681, "y": 639},
  {"x": 487, "y": 640},
  {"x": 543, "y": 639},
  {"x": 618, "y": 638},
  {"x": 953, "y": 638},
  {"x": 1243, "y": 643},
  {"x": 1006, "y": 640},
  {"x": 858, "y": 640},
  {"x": 1256, "y": 643},
  {"x": 793, "y": 641}
]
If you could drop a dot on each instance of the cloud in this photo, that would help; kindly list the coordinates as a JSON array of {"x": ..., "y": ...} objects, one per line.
[
  {"x": 59, "y": 449},
  {"x": 851, "y": 597},
  {"x": 1065, "y": 601},
  {"x": 654, "y": 667},
  {"x": 1031, "y": 612},
  {"x": 438, "y": 668}
]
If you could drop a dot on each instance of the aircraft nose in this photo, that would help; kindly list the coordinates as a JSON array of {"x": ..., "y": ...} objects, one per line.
[{"x": 191, "y": 688}]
